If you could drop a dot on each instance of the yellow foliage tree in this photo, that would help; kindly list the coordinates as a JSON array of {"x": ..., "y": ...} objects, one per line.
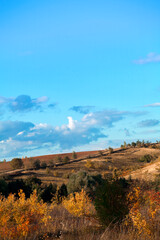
[
  {"x": 79, "y": 204},
  {"x": 19, "y": 218}
]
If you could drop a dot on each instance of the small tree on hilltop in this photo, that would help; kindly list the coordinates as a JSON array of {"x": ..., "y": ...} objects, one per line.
[
  {"x": 101, "y": 153},
  {"x": 36, "y": 164},
  {"x": 51, "y": 163},
  {"x": 66, "y": 159},
  {"x": 16, "y": 163},
  {"x": 43, "y": 164},
  {"x": 110, "y": 150},
  {"x": 138, "y": 143},
  {"x": 74, "y": 155},
  {"x": 133, "y": 144},
  {"x": 59, "y": 159}
]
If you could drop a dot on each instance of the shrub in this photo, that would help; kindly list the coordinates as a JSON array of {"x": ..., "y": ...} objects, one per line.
[
  {"x": 89, "y": 164},
  {"x": 138, "y": 143},
  {"x": 55, "y": 173},
  {"x": 36, "y": 164},
  {"x": 125, "y": 144},
  {"x": 110, "y": 150},
  {"x": 51, "y": 163},
  {"x": 115, "y": 173},
  {"x": 74, "y": 155},
  {"x": 100, "y": 153},
  {"x": 110, "y": 202},
  {"x": 100, "y": 165},
  {"x": 43, "y": 164},
  {"x": 66, "y": 175},
  {"x": 22, "y": 218},
  {"x": 81, "y": 179},
  {"x": 15, "y": 186},
  {"x": 110, "y": 168},
  {"x": 66, "y": 159},
  {"x": 105, "y": 175},
  {"x": 133, "y": 144},
  {"x": 59, "y": 159},
  {"x": 3, "y": 187},
  {"x": 33, "y": 183},
  {"x": 48, "y": 171},
  {"x": 16, "y": 163},
  {"x": 79, "y": 204},
  {"x": 48, "y": 192},
  {"x": 62, "y": 192},
  {"x": 146, "y": 158},
  {"x": 144, "y": 211}
]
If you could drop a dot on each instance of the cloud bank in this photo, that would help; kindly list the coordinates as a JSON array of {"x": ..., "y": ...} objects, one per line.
[{"x": 19, "y": 137}]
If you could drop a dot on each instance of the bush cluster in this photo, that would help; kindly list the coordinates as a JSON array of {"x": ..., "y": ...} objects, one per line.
[
  {"x": 146, "y": 158},
  {"x": 44, "y": 192}
]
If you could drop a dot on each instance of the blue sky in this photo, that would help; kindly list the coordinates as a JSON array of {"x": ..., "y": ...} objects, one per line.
[{"x": 78, "y": 75}]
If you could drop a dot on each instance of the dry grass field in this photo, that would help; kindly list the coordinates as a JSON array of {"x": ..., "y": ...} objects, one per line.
[{"x": 125, "y": 162}]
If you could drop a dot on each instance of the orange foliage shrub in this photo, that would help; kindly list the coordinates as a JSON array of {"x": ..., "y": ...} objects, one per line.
[
  {"x": 79, "y": 204},
  {"x": 144, "y": 211},
  {"x": 20, "y": 218}
]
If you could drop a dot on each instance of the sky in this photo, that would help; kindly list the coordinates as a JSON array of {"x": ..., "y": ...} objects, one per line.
[{"x": 78, "y": 75}]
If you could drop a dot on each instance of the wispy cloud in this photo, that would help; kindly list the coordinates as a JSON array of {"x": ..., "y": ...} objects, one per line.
[
  {"x": 52, "y": 105},
  {"x": 151, "y": 131},
  {"x": 151, "y": 57},
  {"x": 127, "y": 133},
  {"x": 23, "y": 103},
  {"x": 82, "y": 109},
  {"x": 153, "y": 105},
  {"x": 148, "y": 123}
]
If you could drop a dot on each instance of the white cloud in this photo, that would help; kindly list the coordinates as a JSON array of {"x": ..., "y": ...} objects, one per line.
[
  {"x": 10, "y": 147},
  {"x": 151, "y": 57},
  {"x": 20, "y": 133},
  {"x": 72, "y": 123},
  {"x": 153, "y": 105},
  {"x": 41, "y": 99},
  {"x": 22, "y": 137}
]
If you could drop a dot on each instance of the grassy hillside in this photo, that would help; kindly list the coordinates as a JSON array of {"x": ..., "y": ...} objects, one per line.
[{"x": 122, "y": 162}]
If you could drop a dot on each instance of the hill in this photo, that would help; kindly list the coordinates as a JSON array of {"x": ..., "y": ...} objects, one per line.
[{"x": 134, "y": 161}]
